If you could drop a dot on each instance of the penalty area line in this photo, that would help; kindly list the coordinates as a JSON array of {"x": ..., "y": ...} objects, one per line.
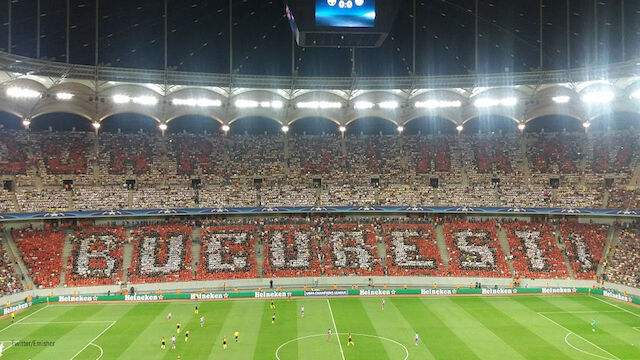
[
  {"x": 581, "y": 337},
  {"x": 94, "y": 339}
]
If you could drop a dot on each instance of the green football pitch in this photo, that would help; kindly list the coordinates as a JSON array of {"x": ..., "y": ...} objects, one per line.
[{"x": 474, "y": 327}]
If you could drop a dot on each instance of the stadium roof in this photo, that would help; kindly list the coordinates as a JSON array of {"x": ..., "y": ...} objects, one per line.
[{"x": 513, "y": 36}]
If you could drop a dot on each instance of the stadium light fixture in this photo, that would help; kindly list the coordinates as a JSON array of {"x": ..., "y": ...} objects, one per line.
[
  {"x": 459, "y": 128},
  {"x": 342, "y": 129},
  {"x": 144, "y": 100},
  {"x": 521, "y": 126},
  {"x": 363, "y": 105},
  {"x": 598, "y": 97},
  {"x": 491, "y": 102},
  {"x": 64, "y": 96},
  {"x": 246, "y": 104},
  {"x": 561, "y": 99},
  {"x": 389, "y": 105},
  {"x": 202, "y": 102},
  {"x": 400, "y": 129},
  {"x": 635, "y": 95},
  {"x": 26, "y": 122},
  {"x": 22, "y": 93},
  {"x": 163, "y": 127},
  {"x": 140, "y": 100},
  {"x": 325, "y": 105},
  {"x": 226, "y": 128},
  {"x": 437, "y": 104},
  {"x": 96, "y": 125},
  {"x": 285, "y": 129},
  {"x": 252, "y": 104},
  {"x": 586, "y": 124}
]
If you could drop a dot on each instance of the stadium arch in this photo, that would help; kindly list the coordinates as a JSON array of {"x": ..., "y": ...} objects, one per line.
[
  {"x": 490, "y": 123},
  {"x": 555, "y": 123},
  {"x": 255, "y": 125},
  {"x": 116, "y": 120},
  {"x": 194, "y": 123},
  {"x": 314, "y": 125},
  {"x": 10, "y": 120},
  {"x": 617, "y": 120},
  {"x": 61, "y": 121},
  {"x": 431, "y": 124},
  {"x": 202, "y": 114},
  {"x": 362, "y": 124}
]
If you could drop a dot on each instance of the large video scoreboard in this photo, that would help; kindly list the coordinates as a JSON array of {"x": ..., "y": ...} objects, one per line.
[
  {"x": 346, "y": 13},
  {"x": 341, "y": 23}
]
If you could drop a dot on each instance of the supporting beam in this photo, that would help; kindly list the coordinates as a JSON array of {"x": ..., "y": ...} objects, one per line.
[
  {"x": 10, "y": 15},
  {"x": 68, "y": 30},
  {"x": 38, "y": 30}
]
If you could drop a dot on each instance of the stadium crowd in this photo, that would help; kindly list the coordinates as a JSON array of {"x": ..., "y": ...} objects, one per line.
[
  {"x": 299, "y": 246},
  {"x": 262, "y": 170}
]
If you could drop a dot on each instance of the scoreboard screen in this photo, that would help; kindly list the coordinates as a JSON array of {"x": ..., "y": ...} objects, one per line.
[{"x": 346, "y": 13}]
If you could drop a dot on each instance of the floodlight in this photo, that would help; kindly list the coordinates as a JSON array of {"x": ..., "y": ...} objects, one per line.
[
  {"x": 64, "y": 96},
  {"x": 96, "y": 125},
  {"x": 561, "y": 99},
  {"x": 163, "y": 127},
  {"x": 363, "y": 105},
  {"x": 388, "y": 105},
  {"x": 598, "y": 97},
  {"x": 22, "y": 93}
]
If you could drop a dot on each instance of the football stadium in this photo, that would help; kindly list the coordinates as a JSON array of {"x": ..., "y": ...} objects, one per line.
[{"x": 320, "y": 179}]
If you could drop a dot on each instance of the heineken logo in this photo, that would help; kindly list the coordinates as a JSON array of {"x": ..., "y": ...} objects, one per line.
[
  {"x": 270, "y": 294},
  {"x": 14, "y": 308},
  {"x": 142, "y": 297},
  {"x": 558, "y": 290},
  {"x": 615, "y": 295},
  {"x": 377, "y": 292},
  {"x": 437, "y": 292},
  {"x": 77, "y": 298},
  {"x": 209, "y": 296},
  {"x": 499, "y": 291}
]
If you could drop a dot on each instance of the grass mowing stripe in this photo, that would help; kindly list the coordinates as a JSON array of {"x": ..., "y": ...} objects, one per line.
[
  {"x": 242, "y": 317},
  {"x": 67, "y": 340},
  {"x": 391, "y": 324},
  {"x": 92, "y": 340},
  {"x": 604, "y": 341},
  {"x": 351, "y": 317},
  {"x": 434, "y": 333},
  {"x": 127, "y": 336},
  {"x": 336, "y": 329},
  {"x": 520, "y": 338},
  {"x": 596, "y": 297},
  {"x": 271, "y": 336},
  {"x": 474, "y": 333},
  {"x": 313, "y": 326}
]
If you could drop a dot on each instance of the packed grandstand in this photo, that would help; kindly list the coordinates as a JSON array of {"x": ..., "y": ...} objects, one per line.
[{"x": 594, "y": 170}]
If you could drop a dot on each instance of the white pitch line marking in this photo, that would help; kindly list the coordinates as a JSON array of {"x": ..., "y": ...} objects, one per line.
[
  {"x": 406, "y": 351},
  {"x": 336, "y": 329},
  {"x": 614, "y": 305},
  {"x": 66, "y": 322},
  {"x": 24, "y": 318},
  {"x": 579, "y": 312},
  {"x": 101, "y": 351},
  {"x": 94, "y": 339},
  {"x": 603, "y": 350},
  {"x": 582, "y": 351}
]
